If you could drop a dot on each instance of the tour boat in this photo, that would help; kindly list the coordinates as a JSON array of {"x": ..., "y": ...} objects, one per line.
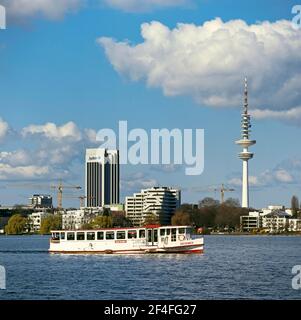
[{"x": 148, "y": 239}]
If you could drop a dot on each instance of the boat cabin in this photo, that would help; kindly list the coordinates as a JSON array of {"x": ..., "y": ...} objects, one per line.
[{"x": 152, "y": 235}]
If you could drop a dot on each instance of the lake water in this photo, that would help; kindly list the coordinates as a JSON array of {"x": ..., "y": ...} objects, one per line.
[{"x": 232, "y": 267}]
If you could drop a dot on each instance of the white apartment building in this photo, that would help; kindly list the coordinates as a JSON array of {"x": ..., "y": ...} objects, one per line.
[
  {"x": 161, "y": 201},
  {"x": 75, "y": 219},
  {"x": 273, "y": 219},
  {"x": 35, "y": 220}
]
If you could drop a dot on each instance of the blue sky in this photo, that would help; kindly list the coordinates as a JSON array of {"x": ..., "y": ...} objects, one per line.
[{"x": 53, "y": 70}]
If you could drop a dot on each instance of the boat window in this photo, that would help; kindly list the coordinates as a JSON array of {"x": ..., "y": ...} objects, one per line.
[
  {"x": 188, "y": 230},
  {"x": 155, "y": 235},
  {"x": 174, "y": 234},
  {"x": 90, "y": 235},
  {"x": 168, "y": 232},
  {"x": 55, "y": 236},
  {"x": 120, "y": 234},
  {"x": 181, "y": 230},
  {"x": 141, "y": 234},
  {"x": 149, "y": 235},
  {"x": 100, "y": 235},
  {"x": 162, "y": 232},
  {"x": 110, "y": 235},
  {"x": 80, "y": 236},
  {"x": 63, "y": 235},
  {"x": 132, "y": 234},
  {"x": 70, "y": 236}
]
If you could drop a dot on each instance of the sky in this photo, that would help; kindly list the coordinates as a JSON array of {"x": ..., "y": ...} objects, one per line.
[{"x": 72, "y": 67}]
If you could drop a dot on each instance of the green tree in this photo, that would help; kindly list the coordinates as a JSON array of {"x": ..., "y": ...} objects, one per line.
[
  {"x": 120, "y": 220},
  {"x": 102, "y": 222},
  {"x": 231, "y": 202},
  {"x": 151, "y": 218},
  {"x": 87, "y": 226},
  {"x": 208, "y": 202},
  {"x": 51, "y": 222},
  {"x": 16, "y": 225},
  {"x": 181, "y": 218}
]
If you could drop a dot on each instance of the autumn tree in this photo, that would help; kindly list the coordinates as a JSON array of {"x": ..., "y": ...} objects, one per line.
[
  {"x": 181, "y": 218},
  {"x": 208, "y": 202},
  {"x": 102, "y": 222},
  {"x": 51, "y": 222},
  {"x": 16, "y": 225},
  {"x": 151, "y": 218}
]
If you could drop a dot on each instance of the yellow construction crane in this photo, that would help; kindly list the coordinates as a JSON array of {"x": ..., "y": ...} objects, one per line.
[
  {"x": 60, "y": 188},
  {"x": 222, "y": 190},
  {"x": 81, "y": 199}
]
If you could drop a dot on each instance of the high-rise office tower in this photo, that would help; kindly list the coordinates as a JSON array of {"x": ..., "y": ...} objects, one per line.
[{"x": 102, "y": 177}]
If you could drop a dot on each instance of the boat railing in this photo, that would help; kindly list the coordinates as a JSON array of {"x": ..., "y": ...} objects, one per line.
[{"x": 196, "y": 236}]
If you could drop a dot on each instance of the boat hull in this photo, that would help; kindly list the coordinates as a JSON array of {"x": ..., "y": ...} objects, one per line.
[{"x": 191, "y": 249}]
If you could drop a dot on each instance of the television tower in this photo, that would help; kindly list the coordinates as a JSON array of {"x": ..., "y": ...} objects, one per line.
[{"x": 245, "y": 143}]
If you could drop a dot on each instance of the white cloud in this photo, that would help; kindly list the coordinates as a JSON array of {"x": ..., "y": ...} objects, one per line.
[
  {"x": 4, "y": 129},
  {"x": 287, "y": 172},
  {"x": 22, "y": 172},
  {"x": 137, "y": 181},
  {"x": 208, "y": 62},
  {"x": 52, "y": 131},
  {"x": 144, "y": 5},
  {"x": 290, "y": 116},
  {"x": 48, "y": 8},
  {"x": 51, "y": 155},
  {"x": 16, "y": 158},
  {"x": 283, "y": 176}
]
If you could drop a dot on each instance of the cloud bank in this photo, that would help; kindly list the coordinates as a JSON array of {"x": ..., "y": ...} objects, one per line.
[
  {"x": 208, "y": 62},
  {"x": 285, "y": 173},
  {"x": 50, "y": 9},
  {"x": 50, "y": 152},
  {"x": 144, "y": 5}
]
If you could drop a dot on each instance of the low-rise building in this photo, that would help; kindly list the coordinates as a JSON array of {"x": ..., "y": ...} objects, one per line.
[
  {"x": 35, "y": 220},
  {"x": 273, "y": 219},
  {"x": 250, "y": 222},
  {"x": 75, "y": 219},
  {"x": 41, "y": 201}
]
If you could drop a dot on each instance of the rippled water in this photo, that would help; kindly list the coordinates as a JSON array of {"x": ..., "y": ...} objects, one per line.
[{"x": 233, "y": 267}]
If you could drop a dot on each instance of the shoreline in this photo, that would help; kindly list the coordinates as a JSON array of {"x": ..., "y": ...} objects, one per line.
[{"x": 254, "y": 234}]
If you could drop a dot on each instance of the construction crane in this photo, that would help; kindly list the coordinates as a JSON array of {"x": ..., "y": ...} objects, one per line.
[
  {"x": 81, "y": 199},
  {"x": 60, "y": 188},
  {"x": 222, "y": 190}
]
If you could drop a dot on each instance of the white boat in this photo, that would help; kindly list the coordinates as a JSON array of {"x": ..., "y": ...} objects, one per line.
[{"x": 148, "y": 239}]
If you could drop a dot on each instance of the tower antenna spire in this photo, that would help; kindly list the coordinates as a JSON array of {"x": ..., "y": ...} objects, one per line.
[
  {"x": 245, "y": 143},
  {"x": 246, "y": 103}
]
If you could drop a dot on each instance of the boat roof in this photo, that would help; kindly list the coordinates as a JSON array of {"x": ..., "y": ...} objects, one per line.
[{"x": 121, "y": 228}]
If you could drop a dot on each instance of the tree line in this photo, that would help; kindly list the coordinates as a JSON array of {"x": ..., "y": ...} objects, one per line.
[{"x": 211, "y": 215}]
